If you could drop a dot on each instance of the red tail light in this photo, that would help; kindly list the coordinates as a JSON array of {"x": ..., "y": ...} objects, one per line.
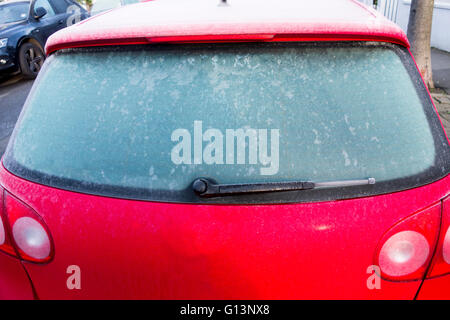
[
  {"x": 2, "y": 231},
  {"x": 6, "y": 245},
  {"x": 446, "y": 247},
  {"x": 24, "y": 232},
  {"x": 404, "y": 253},
  {"x": 441, "y": 261}
]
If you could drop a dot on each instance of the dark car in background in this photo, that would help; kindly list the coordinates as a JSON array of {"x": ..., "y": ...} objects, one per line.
[{"x": 25, "y": 26}]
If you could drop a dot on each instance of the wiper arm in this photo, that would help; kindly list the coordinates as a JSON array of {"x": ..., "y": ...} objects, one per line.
[{"x": 206, "y": 188}]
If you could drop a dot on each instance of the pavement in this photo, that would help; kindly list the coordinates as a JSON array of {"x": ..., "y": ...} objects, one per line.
[
  {"x": 442, "y": 102},
  {"x": 440, "y": 61},
  {"x": 13, "y": 92}
]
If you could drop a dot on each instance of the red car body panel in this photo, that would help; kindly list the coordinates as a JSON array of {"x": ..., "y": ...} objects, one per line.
[
  {"x": 158, "y": 21},
  {"x": 14, "y": 282},
  {"x": 435, "y": 289},
  {"x": 138, "y": 249}
]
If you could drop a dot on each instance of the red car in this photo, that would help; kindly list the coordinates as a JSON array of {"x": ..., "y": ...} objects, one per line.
[{"x": 240, "y": 150}]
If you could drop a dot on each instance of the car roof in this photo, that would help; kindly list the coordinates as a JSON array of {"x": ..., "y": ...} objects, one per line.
[{"x": 238, "y": 20}]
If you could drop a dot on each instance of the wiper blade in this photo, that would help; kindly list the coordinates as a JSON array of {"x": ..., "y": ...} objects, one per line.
[{"x": 207, "y": 188}]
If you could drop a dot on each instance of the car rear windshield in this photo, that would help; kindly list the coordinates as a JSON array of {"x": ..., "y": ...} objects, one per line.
[{"x": 144, "y": 122}]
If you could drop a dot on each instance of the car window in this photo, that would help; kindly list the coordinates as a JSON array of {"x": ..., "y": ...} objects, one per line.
[
  {"x": 151, "y": 120},
  {"x": 102, "y": 5},
  {"x": 59, "y": 5},
  {"x": 46, "y": 5},
  {"x": 14, "y": 12},
  {"x": 127, "y": 2}
]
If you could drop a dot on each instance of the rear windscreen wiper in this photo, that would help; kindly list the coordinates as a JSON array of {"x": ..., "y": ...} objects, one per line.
[{"x": 206, "y": 188}]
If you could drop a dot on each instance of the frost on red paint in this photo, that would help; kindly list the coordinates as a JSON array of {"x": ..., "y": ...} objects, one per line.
[{"x": 203, "y": 20}]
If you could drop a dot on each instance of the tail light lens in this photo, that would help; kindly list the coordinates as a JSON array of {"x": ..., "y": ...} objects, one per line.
[
  {"x": 2, "y": 232},
  {"x": 441, "y": 261},
  {"x": 2, "y": 227},
  {"x": 405, "y": 251},
  {"x": 446, "y": 247},
  {"x": 25, "y": 235},
  {"x": 5, "y": 245},
  {"x": 31, "y": 239}
]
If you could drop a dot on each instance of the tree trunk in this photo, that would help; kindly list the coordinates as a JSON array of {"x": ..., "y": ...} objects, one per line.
[{"x": 419, "y": 34}]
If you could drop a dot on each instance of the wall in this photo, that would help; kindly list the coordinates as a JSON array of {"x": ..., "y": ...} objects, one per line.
[{"x": 440, "y": 35}]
